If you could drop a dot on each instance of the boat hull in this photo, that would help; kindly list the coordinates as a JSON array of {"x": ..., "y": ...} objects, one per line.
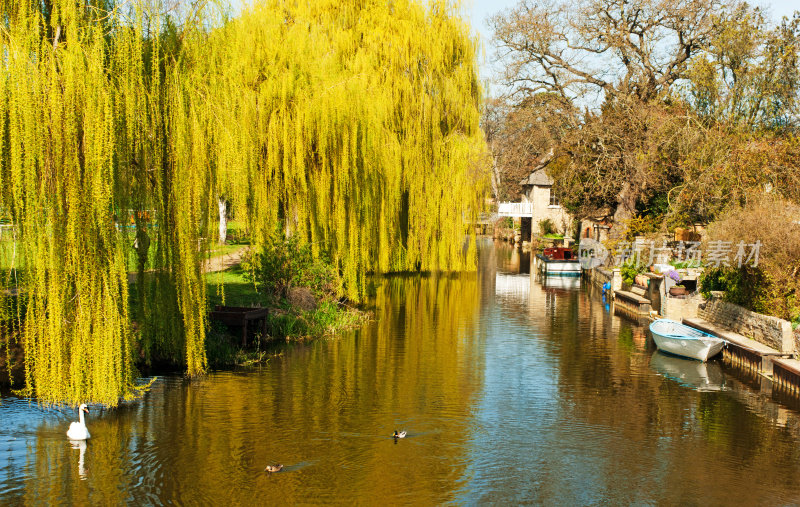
[
  {"x": 557, "y": 267},
  {"x": 680, "y": 340}
]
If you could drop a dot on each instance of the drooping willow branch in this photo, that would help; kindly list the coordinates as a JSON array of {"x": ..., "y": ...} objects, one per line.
[{"x": 355, "y": 127}]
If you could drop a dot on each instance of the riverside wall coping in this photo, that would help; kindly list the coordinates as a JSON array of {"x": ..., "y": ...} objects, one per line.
[
  {"x": 770, "y": 331},
  {"x": 760, "y": 356},
  {"x": 733, "y": 337}
]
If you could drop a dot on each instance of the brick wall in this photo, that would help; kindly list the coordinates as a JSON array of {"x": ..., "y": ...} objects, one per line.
[{"x": 771, "y": 331}]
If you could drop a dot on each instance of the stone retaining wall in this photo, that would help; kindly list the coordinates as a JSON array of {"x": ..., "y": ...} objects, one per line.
[
  {"x": 599, "y": 276},
  {"x": 797, "y": 339},
  {"x": 771, "y": 331},
  {"x": 686, "y": 307}
]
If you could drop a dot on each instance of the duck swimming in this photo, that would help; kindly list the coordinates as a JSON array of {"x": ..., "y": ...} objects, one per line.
[
  {"x": 77, "y": 430},
  {"x": 402, "y": 434},
  {"x": 273, "y": 468}
]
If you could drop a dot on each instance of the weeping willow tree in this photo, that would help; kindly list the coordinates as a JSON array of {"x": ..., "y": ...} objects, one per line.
[
  {"x": 353, "y": 126},
  {"x": 58, "y": 186},
  {"x": 363, "y": 136},
  {"x": 92, "y": 137}
]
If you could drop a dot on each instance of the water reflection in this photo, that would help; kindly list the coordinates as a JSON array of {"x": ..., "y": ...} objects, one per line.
[
  {"x": 560, "y": 282},
  {"x": 81, "y": 446},
  {"x": 511, "y": 390},
  {"x": 701, "y": 376},
  {"x": 515, "y": 287}
]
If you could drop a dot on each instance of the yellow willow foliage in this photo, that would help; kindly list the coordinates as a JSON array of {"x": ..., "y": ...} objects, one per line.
[
  {"x": 58, "y": 187},
  {"x": 356, "y": 123},
  {"x": 352, "y": 124},
  {"x": 93, "y": 131}
]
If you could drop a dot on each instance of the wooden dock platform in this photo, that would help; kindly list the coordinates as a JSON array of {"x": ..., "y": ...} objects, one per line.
[
  {"x": 240, "y": 316},
  {"x": 745, "y": 352}
]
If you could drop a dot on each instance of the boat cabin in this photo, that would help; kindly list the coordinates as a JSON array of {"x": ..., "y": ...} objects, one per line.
[{"x": 559, "y": 254}]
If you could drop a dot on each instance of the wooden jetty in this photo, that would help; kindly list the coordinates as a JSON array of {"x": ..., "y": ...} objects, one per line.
[
  {"x": 749, "y": 354},
  {"x": 240, "y": 316}
]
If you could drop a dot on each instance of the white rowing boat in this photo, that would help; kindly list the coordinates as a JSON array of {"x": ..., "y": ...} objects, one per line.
[{"x": 682, "y": 340}]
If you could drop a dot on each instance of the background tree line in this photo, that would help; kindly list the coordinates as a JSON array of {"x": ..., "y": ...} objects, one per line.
[{"x": 682, "y": 112}]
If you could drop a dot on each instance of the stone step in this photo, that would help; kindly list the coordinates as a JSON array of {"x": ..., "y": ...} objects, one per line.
[{"x": 632, "y": 302}]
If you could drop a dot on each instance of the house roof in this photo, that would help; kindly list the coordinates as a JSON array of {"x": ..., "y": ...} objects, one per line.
[{"x": 537, "y": 178}]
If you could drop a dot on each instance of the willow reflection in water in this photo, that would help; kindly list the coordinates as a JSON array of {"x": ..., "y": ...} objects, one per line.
[{"x": 511, "y": 391}]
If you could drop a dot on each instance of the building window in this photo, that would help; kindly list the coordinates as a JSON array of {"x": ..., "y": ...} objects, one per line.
[{"x": 553, "y": 199}]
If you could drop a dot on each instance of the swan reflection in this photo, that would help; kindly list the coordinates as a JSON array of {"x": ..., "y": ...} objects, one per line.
[{"x": 81, "y": 445}]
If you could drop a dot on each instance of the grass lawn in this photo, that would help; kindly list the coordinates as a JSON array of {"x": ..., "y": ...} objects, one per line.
[
  {"x": 237, "y": 290},
  {"x": 7, "y": 250}
]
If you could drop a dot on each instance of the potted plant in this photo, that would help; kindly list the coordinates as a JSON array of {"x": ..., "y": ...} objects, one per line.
[{"x": 677, "y": 290}]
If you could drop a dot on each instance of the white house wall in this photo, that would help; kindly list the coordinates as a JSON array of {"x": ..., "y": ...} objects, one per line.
[{"x": 539, "y": 196}]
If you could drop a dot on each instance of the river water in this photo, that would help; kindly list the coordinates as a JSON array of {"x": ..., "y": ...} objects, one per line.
[{"x": 512, "y": 390}]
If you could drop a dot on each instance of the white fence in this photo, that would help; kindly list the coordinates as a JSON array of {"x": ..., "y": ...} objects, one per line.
[{"x": 515, "y": 209}]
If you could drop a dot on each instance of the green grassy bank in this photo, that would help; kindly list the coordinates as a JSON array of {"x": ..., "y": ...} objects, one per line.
[{"x": 287, "y": 320}]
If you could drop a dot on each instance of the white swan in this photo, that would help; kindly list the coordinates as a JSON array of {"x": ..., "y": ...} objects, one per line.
[{"x": 78, "y": 430}]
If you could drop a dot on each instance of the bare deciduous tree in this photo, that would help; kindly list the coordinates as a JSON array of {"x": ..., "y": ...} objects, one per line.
[
  {"x": 524, "y": 137},
  {"x": 611, "y": 46}
]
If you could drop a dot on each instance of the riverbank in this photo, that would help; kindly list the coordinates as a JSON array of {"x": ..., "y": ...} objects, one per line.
[
  {"x": 764, "y": 345},
  {"x": 299, "y": 317}
]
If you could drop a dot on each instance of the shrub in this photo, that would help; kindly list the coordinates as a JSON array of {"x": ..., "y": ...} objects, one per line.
[
  {"x": 547, "y": 226},
  {"x": 712, "y": 280},
  {"x": 748, "y": 287},
  {"x": 773, "y": 287},
  {"x": 640, "y": 226},
  {"x": 282, "y": 263},
  {"x": 630, "y": 270}
]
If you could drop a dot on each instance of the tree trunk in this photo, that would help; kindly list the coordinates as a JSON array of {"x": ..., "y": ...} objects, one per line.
[
  {"x": 626, "y": 207},
  {"x": 495, "y": 179},
  {"x": 223, "y": 219}
]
